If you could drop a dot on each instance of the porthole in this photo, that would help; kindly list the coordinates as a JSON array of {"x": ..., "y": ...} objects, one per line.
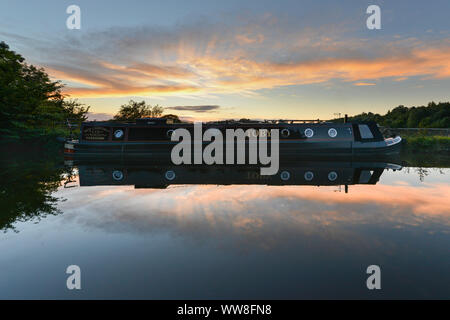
[
  {"x": 285, "y": 133},
  {"x": 285, "y": 175},
  {"x": 332, "y": 175},
  {"x": 117, "y": 175},
  {"x": 332, "y": 132},
  {"x": 118, "y": 134},
  {"x": 169, "y": 133},
  {"x": 309, "y": 133},
  {"x": 170, "y": 175},
  {"x": 309, "y": 175}
]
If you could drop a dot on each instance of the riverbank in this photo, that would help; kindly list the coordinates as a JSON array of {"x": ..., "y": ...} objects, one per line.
[{"x": 427, "y": 143}]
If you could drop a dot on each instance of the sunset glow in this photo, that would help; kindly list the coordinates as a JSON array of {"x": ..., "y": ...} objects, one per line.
[{"x": 308, "y": 68}]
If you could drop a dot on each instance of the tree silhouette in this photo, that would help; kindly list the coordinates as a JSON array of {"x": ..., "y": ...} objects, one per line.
[
  {"x": 434, "y": 115},
  {"x": 135, "y": 110},
  {"x": 28, "y": 179},
  {"x": 172, "y": 117},
  {"x": 31, "y": 105}
]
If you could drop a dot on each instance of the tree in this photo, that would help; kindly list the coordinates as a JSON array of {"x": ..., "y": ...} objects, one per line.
[
  {"x": 434, "y": 115},
  {"x": 29, "y": 174},
  {"x": 172, "y": 117},
  {"x": 75, "y": 111},
  {"x": 31, "y": 105},
  {"x": 135, "y": 110}
]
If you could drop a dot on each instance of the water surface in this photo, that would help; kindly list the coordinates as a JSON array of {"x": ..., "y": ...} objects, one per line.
[{"x": 207, "y": 241}]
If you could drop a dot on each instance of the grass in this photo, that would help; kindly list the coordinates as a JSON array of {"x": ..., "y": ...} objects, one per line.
[{"x": 429, "y": 143}]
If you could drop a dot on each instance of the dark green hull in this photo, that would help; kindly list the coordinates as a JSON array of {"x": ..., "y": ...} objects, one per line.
[
  {"x": 287, "y": 149},
  {"x": 153, "y": 138}
]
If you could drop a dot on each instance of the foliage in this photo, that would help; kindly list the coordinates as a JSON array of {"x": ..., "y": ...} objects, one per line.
[
  {"x": 28, "y": 177},
  {"x": 432, "y": 143},
  {"x": 431, "y": 116},
  {"x": 31, "y": 105},
  {"x": 172, "y": 117},
  {"x": 135, "y": 110}
]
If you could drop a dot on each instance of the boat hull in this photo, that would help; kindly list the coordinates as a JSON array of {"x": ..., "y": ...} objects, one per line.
[
  {"x": 153, "y": 139},
  {"x": 287, "y": 149}
]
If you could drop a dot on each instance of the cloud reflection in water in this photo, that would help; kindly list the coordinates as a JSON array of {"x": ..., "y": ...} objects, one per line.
[{"x": 265, "y": 217}]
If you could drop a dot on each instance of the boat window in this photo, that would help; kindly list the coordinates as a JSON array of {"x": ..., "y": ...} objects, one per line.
[
  {"x": 332, "y": 133},
  {"x": 365, "y": 132},
  {"x": 309, "y": 133}
]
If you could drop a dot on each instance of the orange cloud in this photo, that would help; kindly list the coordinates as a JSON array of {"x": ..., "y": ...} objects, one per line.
[
  {"x": 245, "y": 39},
  {"x": 127, "y": 91},
  {"x": 235, "y": 74},
  {"x": 201, "y": 69},
  {"x": 111, "y": 80},
  {"x": 260, "y": 214}
]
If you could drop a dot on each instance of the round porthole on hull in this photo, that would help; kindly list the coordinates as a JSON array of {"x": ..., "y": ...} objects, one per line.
[
  {"x": 332, "y": 176},
  {"x": 285, "y": 133},
  {"x": 332, "y": 132},
  {"x": 309, "y": 175},
  {"x": 118, "y": 134},
  {"x": 285, "y": 175},
  {"x": 170, "y": 175},
  {"x": 169, "y": 133},
  {"x": 309, "y": 133},
  {"x": 117, "y": 175}
]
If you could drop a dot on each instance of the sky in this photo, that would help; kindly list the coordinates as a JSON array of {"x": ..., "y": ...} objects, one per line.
[{"x": 207, "y": 60}]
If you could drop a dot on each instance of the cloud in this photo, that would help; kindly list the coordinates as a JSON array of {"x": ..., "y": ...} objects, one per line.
[
  {"x": 103, "y": 79},
  {"x": 202, "y": 108},
  {"x": 364, "y": 84},
  {"x": 233, "y": 56},
  {"x": 267, "y": 216},
  {"x": 129, "y": 91},
  {"x": 99, "y": 116}
]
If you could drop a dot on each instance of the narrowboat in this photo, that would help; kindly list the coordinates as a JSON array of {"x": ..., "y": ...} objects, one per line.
[
  {"x": 151, "y": 137},
  {"x": 312, "y": 172}
]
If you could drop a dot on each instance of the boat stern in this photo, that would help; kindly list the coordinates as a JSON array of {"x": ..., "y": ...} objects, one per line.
[{"x": 69, "y": 148}]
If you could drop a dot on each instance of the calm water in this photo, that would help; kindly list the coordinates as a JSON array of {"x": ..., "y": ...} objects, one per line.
[{"x": 191, "y": 239}]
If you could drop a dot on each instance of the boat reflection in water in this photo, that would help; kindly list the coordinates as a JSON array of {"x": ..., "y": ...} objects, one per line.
[
  {"x": 316, "y": 173},
  {"x": 193, "y": 241}
]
